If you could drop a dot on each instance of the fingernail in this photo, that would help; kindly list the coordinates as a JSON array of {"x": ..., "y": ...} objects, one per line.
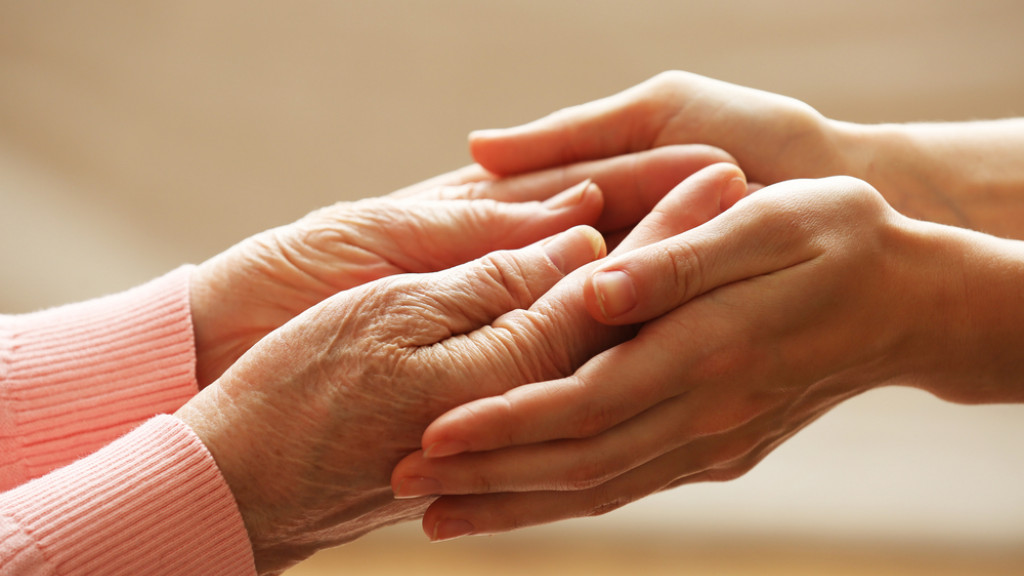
[
  {"x": 572, "y": 197},
  {"x": 560, "y": 246},
  {"x": 734, "y": 192},
  {"x": 596, "y": 240},
  {"x": 417, "y": 487},
  {"x": 615, "y": 292},
  {"x": 451, "y": 529},
  {"x": 445, "y": 448}
]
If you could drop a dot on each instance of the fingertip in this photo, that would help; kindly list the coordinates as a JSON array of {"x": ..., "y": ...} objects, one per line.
[
  {"x": 614, "y": 294},
  {"x": 585, "y": 194},
  {"x": 485, "y": 134},
  {"x": 450, "y": 529},
  {"x": 573, "y": 248},
  {"x": 734, "y": 191},
  {"x": 488, "y": 148},
  {"x": 442, "y": 521},
  {"x": 441, "y": 438},
  {"x": 596, "y": 241},
  {"x": 523, "y": 148}
]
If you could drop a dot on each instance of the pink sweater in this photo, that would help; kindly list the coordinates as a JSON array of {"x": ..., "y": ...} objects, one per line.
[{"x": 93, "y": 479}]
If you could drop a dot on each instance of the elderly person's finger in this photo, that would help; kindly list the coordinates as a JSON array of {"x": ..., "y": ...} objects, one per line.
[
  {"x": 333, "y": 399},
  {"x": 492, "y": 420},
  {"x": 632, "y": 183},
  {"x": 500, "y": 282}
]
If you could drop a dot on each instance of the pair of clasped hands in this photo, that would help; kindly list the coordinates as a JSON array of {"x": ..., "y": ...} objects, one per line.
[{"x": 622, "y": 297}]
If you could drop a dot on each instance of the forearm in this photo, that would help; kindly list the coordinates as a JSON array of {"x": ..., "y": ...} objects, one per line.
[
  {"x": 967, "y": 174},
  {"x": 991, "y": 329},
  {"x": 74, "y": 378}
]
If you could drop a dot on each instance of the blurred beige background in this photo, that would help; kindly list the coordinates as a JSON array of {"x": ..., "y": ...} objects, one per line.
[{"x": 137, "y": 135}]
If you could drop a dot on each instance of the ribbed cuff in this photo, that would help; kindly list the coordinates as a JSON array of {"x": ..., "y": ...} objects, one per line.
[
  {"x": 74, "y": 378},
  {"x": 152, "y": 502}
]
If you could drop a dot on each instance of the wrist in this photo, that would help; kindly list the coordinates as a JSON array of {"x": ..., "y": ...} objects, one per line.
[
  {"x": 216, "y": 348},
  {"x": 199, "y": 298},
  {"x": 967, "y": 349},
  {"x": 895, "y": 160}
]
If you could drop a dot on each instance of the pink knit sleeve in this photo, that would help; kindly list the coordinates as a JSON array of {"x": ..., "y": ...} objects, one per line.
[
  {"x": 152, "y": 502},
  {"x": 74, "y": 378}
]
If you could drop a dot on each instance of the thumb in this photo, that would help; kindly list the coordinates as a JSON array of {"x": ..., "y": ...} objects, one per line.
[
  {"x": 757, "y": 236},
  {"x": 696, "y": 200},
  {"x": 607, "y": 127}
]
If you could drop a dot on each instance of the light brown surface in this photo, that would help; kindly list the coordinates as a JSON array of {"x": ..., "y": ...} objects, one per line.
[
  {"x": 135, "y": 136},
  {"x": 403, "y": 553}
]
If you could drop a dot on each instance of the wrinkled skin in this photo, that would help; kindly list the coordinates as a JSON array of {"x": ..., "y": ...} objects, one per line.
[
  {"x": 758, "y": 322},
  {"x": 307, "y": 426},
  {"x": 241, "y": 295}
]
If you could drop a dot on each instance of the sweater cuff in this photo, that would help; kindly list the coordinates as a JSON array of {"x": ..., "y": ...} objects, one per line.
[
  {"x": 152, "y": 502},
  {"x": 74, "y": 378}
]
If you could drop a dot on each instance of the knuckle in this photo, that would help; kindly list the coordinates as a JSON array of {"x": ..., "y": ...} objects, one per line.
[
  {"x": 401, "y": 312},
  {"x": 466, "y": 191},
  {"x": 506, "y": 272},
  {"x": 717, "y": 365},
  {"x": 593, "y": 418},
  {"x": 549, "y": 354},
  {"x": 611, "y": 497},
  {"x": 504, "y": 411},
  {"x": 854, "y": 192},
  {"x": 594, "y": 415},
  {"x": 587, "y": 475},
  {"x": 480, "y": 482},
  {"x": 686, "y": 268},
  {"x": 505, "y": 349},
  {"x": 603, "y": 507}
]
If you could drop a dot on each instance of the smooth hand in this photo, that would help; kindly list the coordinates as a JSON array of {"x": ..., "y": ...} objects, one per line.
[
  {"x": 241, "y": 295},
  {"x": 773, "y": 137},
  {"x": 758, "y": 322}
]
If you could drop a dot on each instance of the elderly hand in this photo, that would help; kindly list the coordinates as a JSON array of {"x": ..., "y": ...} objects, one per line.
[
  {"x": 758, "y": 322},
  {"x": 244, "y": 293},
  {"x": 308, "y": 425}
]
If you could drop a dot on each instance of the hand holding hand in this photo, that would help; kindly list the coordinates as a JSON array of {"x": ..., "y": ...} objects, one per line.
[
  {"x": 249, "y": 290},
  {"x": 333, "y": 400},
  {"x": 773, "y": 137},
  {"x": 758, "y": 322},
  {"x": 308, "y": 424}
]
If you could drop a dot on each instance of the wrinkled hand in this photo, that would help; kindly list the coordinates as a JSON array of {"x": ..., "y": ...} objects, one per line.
[
  {"x": 308, "y": 424},
  {"x": 241, "y": 295},
  {"x": 758, "y": 322},
  {"x": 773, "y": 137}
]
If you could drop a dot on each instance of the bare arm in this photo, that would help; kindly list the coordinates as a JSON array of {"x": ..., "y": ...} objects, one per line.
[{"x": 967, "y": 174}]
